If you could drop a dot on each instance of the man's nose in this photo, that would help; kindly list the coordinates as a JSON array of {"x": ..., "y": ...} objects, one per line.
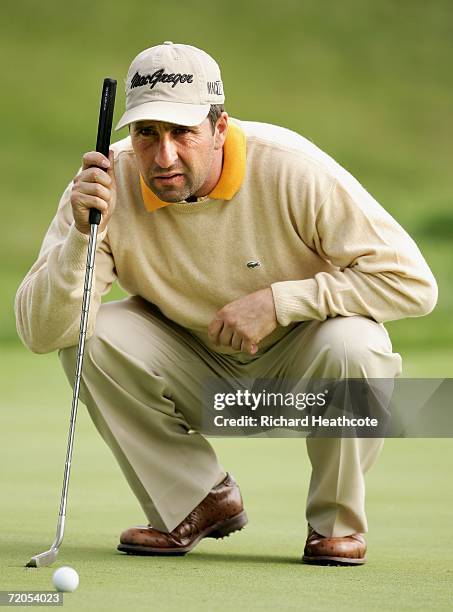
[{"x": 166, "y": 155}]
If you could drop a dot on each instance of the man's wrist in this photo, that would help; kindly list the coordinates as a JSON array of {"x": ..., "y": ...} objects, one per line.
[{"x": 75, "y": 249}]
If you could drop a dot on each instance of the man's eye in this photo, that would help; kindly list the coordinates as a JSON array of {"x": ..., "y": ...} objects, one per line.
[
  {"x": 179, "y": 131},
  {"x": 146, "y": 132}
]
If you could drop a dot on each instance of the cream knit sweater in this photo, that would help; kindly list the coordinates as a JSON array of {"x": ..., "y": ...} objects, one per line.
[{"x": 284, "y": 215}]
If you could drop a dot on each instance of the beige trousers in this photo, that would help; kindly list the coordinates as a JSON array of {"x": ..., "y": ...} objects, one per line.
[{"x": 142, "y": 385}]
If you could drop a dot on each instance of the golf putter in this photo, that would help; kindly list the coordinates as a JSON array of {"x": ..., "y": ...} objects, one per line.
[{"x": 102, "y": 145}]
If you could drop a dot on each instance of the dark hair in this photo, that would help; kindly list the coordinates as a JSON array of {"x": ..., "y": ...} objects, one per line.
[{"x": 214, "y": 113}]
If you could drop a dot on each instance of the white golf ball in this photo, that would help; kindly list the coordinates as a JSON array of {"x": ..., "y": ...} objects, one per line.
[{"x": 65, "y": 579}]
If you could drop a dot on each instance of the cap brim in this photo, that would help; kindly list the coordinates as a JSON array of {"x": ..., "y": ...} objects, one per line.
[{"x": 170, "y": 112}]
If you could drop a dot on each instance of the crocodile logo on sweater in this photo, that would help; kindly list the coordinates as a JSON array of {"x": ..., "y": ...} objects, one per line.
[{"x": 253, "y": 264}]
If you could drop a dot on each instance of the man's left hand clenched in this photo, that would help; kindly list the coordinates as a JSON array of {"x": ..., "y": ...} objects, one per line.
[{"x": 242, "y": 324}]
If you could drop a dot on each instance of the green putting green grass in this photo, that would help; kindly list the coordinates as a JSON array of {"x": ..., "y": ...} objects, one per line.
[{"x": 410, "y": 563}]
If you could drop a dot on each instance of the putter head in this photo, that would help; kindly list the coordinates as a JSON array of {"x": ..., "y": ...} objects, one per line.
[{"x": 45, "y": 558}]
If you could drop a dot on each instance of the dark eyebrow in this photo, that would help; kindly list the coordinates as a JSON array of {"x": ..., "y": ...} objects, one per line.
[{"x": 140, "y": 125}]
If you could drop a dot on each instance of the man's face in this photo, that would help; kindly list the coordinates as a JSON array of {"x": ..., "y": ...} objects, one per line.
[{"x": 175, "y": 161}]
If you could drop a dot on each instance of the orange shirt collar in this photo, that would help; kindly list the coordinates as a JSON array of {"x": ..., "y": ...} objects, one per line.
[{"x": 233, "y": 171}]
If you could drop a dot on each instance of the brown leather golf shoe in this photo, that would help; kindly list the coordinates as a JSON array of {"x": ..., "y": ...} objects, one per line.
[
  {"x": 220, "y": 513},
  {"x": 320, "y": 550}
]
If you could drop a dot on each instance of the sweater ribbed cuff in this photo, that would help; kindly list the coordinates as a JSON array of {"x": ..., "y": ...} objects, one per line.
[
  {"x": 296, "y": 301},
  {"x": 75, "y": 249}
]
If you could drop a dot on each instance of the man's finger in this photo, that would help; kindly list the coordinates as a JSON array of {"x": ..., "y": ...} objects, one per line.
[
  {"x": 226, "y": 335},
  {"x": 214, "y": 330},
  {"x": 94, "y": 158},
  {"x": 94, "y": 175},
  {"x": 236, "y": 341},
  {"x": 89, "y": 201},
  {"x": 249, "y": 347},
  {"x": 95, "y": 189}
]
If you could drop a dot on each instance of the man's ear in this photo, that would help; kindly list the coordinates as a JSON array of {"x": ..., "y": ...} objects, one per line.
[{"x": 221, "y": 129}]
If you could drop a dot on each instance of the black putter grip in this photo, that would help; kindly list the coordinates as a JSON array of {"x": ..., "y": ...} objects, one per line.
[{"x": 104, "y": 130}]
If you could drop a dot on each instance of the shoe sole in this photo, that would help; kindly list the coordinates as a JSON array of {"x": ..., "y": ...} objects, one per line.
[
  {"x": 218, "y": 530},
  {"x": 327, "y": 560}
]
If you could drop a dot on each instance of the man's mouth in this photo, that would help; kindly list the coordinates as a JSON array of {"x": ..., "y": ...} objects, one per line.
[{"x": 168, "y": 179}]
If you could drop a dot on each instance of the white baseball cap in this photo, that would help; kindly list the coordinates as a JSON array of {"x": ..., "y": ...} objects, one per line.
[{"x": 173, "y": 83}]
